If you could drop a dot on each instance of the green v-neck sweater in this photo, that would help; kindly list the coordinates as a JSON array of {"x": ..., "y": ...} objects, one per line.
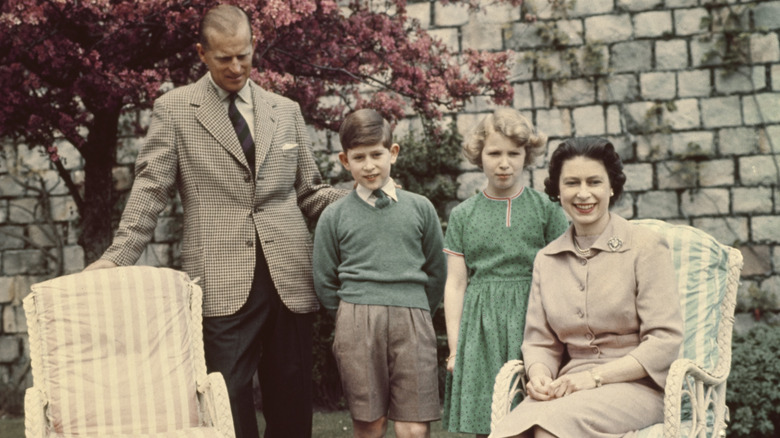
[{"x": 391, "y": 256}]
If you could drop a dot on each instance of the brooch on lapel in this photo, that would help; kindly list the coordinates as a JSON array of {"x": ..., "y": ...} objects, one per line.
[{"x": 614, "y": 243}]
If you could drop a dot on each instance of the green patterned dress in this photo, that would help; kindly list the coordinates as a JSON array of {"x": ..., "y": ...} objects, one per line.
[{"x": 499, "y": 238}]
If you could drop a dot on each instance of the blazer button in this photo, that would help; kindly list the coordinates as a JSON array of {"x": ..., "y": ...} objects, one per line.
[
  {"x": 250, "y": 243},
  {"x": 258, "y": 209},
  {"x": 247, "y": 178}
]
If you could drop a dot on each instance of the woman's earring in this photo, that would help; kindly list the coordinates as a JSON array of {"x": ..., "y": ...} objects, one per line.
[{"x": 611, "y": 193}]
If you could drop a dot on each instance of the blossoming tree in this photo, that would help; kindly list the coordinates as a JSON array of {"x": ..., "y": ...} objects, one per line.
[{"x": 70, "y": 68}]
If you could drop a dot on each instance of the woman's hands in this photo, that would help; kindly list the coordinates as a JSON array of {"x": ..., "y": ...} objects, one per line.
[{"x": 542, "y": 387}]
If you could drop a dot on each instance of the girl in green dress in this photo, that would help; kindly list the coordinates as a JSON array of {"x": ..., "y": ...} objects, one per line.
[{"x": 492, "y": 239}]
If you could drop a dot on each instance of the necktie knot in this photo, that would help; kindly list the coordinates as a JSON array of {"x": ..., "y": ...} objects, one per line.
[{"x": 382, "y": 200}]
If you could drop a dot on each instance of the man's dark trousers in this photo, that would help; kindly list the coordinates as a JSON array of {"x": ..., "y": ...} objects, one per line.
[{"x": 264, "y": 336}]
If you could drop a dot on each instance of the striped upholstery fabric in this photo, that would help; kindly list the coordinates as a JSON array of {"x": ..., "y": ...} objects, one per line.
[
  {"x": 118, "y": 352},
  {"x": 702, "y": 273}
]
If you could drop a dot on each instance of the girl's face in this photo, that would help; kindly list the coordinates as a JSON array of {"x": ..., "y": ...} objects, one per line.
[
  {"x": 585, "y": 192},
  {"x": 502, "y": 162}
]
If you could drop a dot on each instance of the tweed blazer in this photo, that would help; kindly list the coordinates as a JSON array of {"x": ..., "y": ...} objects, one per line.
[{"x": 191, "y": 147}]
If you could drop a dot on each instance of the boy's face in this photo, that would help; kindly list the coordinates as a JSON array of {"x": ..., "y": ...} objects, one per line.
[{"x": 370, "y": 165}]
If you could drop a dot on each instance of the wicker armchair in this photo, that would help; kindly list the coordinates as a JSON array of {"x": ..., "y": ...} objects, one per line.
[
  {"x": 119, "y": 352},
  {"x": 695, "y": 394}
]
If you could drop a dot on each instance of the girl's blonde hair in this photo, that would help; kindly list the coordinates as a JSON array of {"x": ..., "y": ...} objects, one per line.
[{"x": 512, "y": 125}]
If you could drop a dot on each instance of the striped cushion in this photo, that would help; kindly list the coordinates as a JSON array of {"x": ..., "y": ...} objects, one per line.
[
  {"x": 116, "y": 353},
  {"x": 702, "y": 272}
]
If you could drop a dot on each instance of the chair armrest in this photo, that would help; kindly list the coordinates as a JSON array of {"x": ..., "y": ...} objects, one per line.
[
  {"x": 34, "y": 413},
  {"x": 216, "y": 405},
  {"x": 704, "y": 391},
  {"x": 510, "y": 381}
]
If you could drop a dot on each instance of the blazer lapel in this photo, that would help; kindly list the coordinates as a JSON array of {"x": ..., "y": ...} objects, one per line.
[
  {"x": 212, "y": 115},
  {"x": 265, "y": 125}
]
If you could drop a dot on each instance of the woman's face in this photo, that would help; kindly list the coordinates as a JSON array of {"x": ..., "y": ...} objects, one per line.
[
  {"x": 585, "y": 192},
  {"x": 502, "y": 162}
]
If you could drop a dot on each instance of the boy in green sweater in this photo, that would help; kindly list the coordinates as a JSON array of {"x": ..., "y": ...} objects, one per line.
[{"x": 378, "y": 259}]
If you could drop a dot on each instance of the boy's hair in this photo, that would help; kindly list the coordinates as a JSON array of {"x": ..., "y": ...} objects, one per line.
[
  {"x": 365, "y": 127},
  {"x": 511, "y": 124}
]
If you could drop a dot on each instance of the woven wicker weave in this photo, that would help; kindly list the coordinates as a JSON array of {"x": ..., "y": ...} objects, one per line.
[{"x": 119, "y": 352}]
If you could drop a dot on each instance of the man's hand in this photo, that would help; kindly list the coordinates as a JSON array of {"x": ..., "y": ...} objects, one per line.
[{"x": 100, "y": 264}]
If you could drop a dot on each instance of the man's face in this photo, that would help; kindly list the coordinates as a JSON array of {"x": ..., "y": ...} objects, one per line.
[{"x": 228, "y": 57}]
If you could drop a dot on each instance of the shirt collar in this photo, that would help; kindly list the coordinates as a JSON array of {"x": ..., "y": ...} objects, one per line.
[
  {"x": 245, "y": 93},
  {"x": 616, "y": 237},
  {"x": 388, "y": 188}
]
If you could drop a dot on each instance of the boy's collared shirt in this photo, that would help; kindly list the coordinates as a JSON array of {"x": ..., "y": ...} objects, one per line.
[{"x": 367, "y": 195}]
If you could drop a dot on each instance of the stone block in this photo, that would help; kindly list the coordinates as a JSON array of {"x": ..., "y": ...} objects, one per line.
[
  {"x": 756, "y": 260},
  {"x": 7, "y": 290},
  {"x": 688, "y": 21},
  {"x": 572, "y": 29},
  {"x": 23, "y": 210},
  {"x": 554, "y": 122},
  {"x": 523, "y": 98},
  {"x": 657, "y": 204},
  {"x": 14, "y": 319},
  {"x": 35, "y": 158},
  {"x": 694, "y": 83},
  {"x": 593, "y": 60},
  {"x": 10, "y": 349},
  {"x": 590, "y": 7},
  {"x": 589, "y": 120},
  {"x": 523, "y": 67},
  {"x": 496, "y": 13},
  {"x": 11, "y": 237},
  {"x": 467, "y": 122},
  {"x": 775, "y": 71},
  {"x": 764, "y": 48},
  {"x": 680, "y": 3},
  {"x": 704, "y": 53},
  {"x": 480, "y": 104},
  {"x": 619, "y": 88},
  {"x": 701, "y": 202},
  {"x": 766, "y": 229},
  {"x": 573, "y": 93},
  {"x": 520, "y": 36},
  {"x": 672, "y": 54},
  {"x": 676, "y": 174},
  {"x": 639, "y": 177},
  {"x": 631, "y": 56},
  {"x": 744, "y": 80},
  {"x": 542, "y": 95},
  {"x": 470, "y": 184},
  {"x": 553, "y": 64},
  {"x": 452, "y": 14},
  {"x": 759, "y": 170},
  {"x": 624, "y": 207},
  {"x": 639, "y": 5},
  {"x": 658, "y": 85},
  {"x": 448, "y": 36},
  {"x": 716, "y": 173},
  {"x": 608, "y": 28},
  {"x": 752, "y": 200},
  {"x": 738, "y": 141},
  {"x": 685, "y": 116},
  {"x": 420, "y": 12},
  {"x": 767, "y": 15},
  {"x": 24, "y": 261},
  {"x": 721, "y": 111},
  {"x": 43, "y": 235},
  {"x": 10, "y": 187},
  {"x": 726, "y": 230},
  {"x": 63, "y": 208},
  {"x": 652, "y": 24},
  {"x": 761, "y": 108},
  {"x": 482, "y": 36},
  {"x": 3, "y": 211},
  {"x": 614, "y": 120},
  {"x": 70, "y": 157},
  {"x": 73, "y": 259},
  {"x": 693, "y": 143}
]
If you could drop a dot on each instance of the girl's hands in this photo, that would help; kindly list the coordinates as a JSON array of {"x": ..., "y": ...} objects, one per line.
[{"x": 451, "y": 363}]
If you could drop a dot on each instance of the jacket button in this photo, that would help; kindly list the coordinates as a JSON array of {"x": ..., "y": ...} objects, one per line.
[
  {"x": 258, "y": 209},
  {"x": 247, "y": 178},
  {"x": 588, "y": 336},
  {"x": 249, "y": 243},
  {"x": 595, "y": 350}
]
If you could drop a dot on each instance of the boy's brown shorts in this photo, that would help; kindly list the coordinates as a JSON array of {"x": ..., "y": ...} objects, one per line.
[{"x": 387, "y": 360}]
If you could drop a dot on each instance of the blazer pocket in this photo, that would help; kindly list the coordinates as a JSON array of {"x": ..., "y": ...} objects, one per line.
[{"x": 288, "y": 146}]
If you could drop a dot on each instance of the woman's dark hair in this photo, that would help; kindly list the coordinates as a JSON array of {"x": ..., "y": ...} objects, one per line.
[{"x": 598, "y": 149}]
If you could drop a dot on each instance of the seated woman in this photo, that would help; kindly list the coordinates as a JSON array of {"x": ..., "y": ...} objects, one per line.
[{"x": 603, "y": 323}]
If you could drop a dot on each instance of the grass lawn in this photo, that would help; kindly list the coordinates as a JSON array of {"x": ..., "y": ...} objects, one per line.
[{"x": 326, "y": 425}]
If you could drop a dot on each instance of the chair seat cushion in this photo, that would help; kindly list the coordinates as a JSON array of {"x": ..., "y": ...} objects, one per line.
[
  {"x": 116, "y": 352},
  {"x": 194, "y": 432}
]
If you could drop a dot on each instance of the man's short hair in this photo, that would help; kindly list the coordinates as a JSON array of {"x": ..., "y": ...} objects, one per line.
[{"x": 223, "y": 19}]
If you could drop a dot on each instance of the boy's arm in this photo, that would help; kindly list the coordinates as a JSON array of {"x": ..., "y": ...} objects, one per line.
[
  {"x": 326, "y": 260},
  {"x": 435, "y": 265}
]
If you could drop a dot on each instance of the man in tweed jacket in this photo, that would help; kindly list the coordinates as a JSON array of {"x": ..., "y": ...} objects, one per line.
[{"x": 245, "y": 235}]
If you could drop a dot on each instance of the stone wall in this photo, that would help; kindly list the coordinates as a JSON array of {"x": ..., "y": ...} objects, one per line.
[{"x": 700, "y": 146}]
